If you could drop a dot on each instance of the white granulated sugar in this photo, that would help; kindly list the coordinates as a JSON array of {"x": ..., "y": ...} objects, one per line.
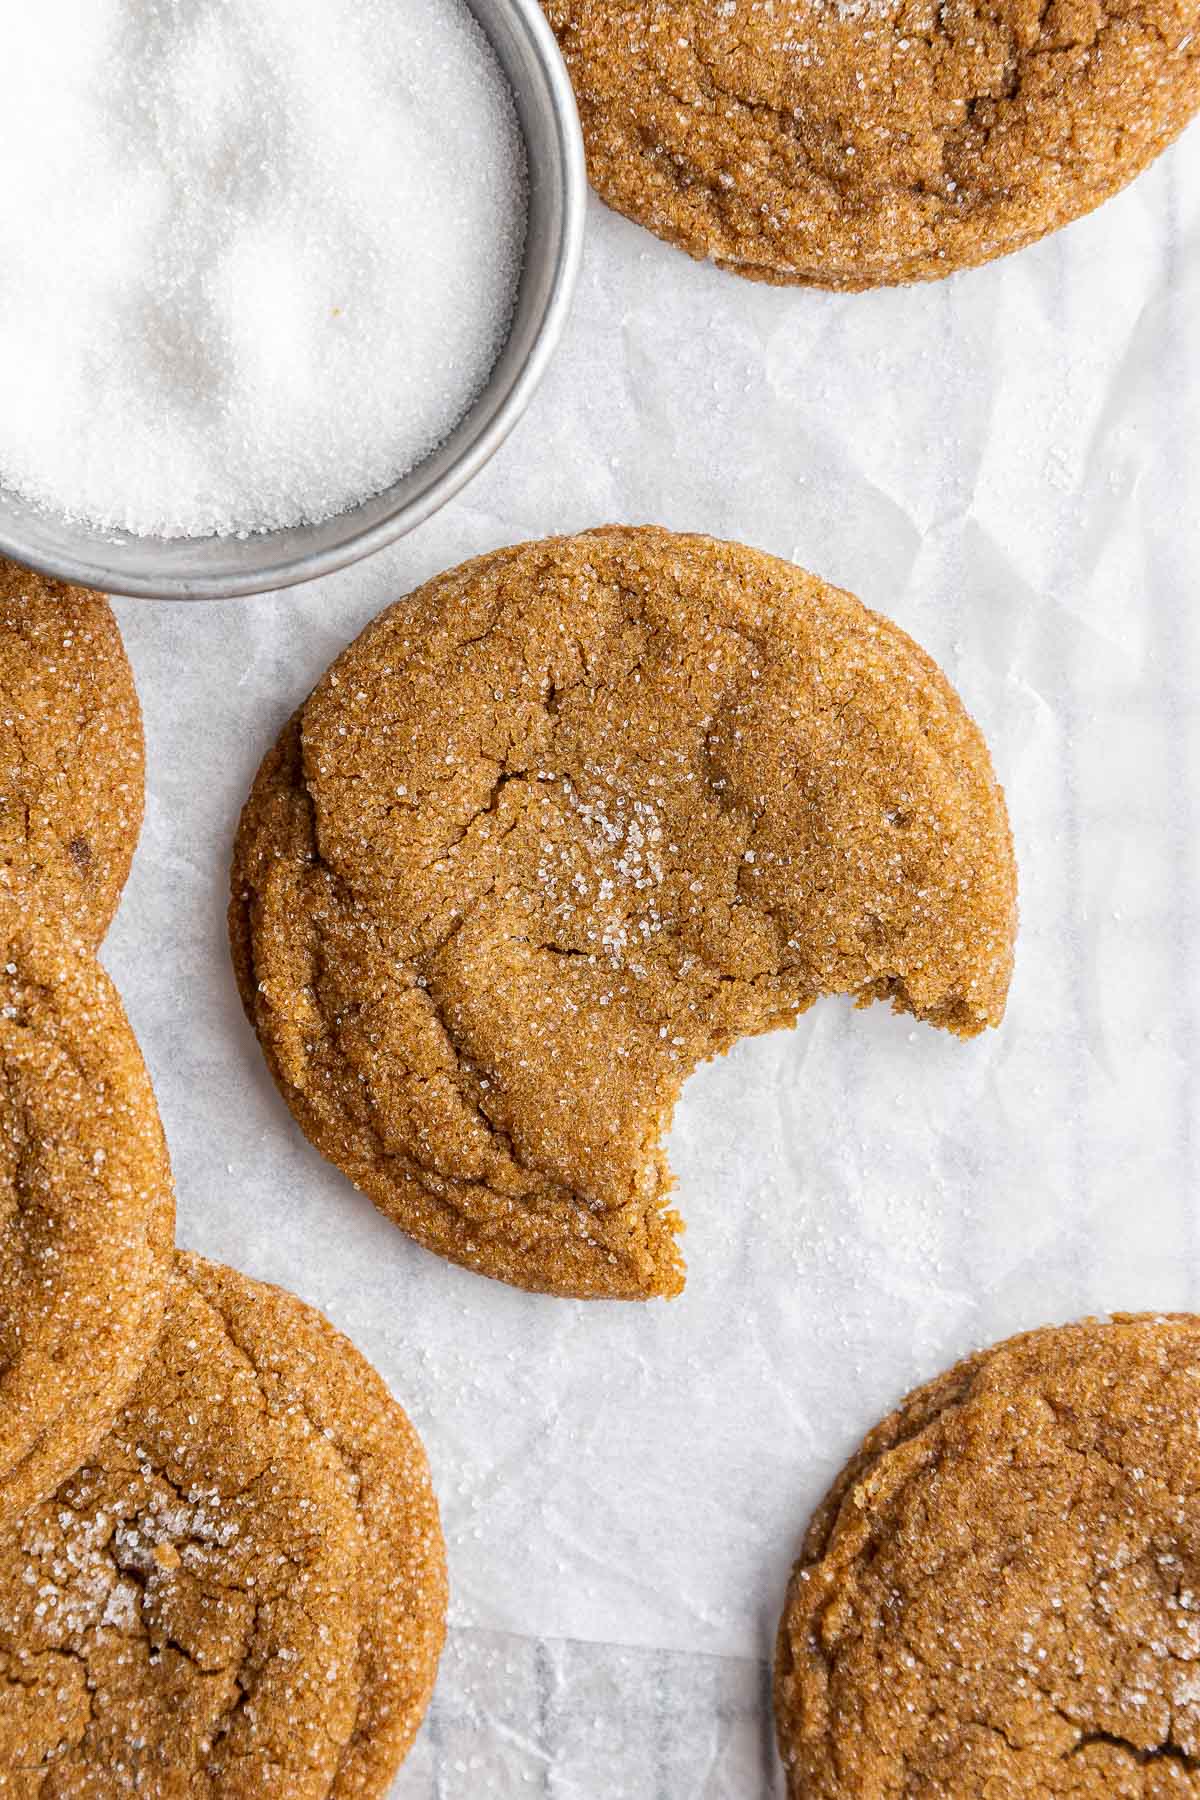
[{"x": 257, "y": 257}]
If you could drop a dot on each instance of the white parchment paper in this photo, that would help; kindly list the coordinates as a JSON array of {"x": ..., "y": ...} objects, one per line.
[{"x": 1006, "y": 463}]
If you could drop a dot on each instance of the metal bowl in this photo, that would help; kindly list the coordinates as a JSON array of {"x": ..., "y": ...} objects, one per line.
[{"x": 215, "y": 568}]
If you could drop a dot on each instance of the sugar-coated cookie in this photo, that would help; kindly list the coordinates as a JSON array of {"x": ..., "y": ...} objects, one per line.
[
  {"x": 72, "y": 780},
  {"x": 181, "y": 1616},
  {"x": 564, "y": 823},
  {"x": 87, "y": 1209},
  {"x": 303, "y": 1363},
  {"x": 999, "y": 1595},
  {"x": 853, "y": 143}
]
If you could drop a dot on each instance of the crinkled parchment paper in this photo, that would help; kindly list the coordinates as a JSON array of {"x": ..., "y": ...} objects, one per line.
[{"x": 1008, "y": 464}]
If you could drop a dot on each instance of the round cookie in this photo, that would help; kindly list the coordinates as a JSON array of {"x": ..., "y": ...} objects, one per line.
[
  {"x": 71, "y": 753},
  {"x": 857, "y": 143},
  {"x": 303, "y": 1362},
  {"x": 181, "y": 1618},
  {"x": 566, "y": 822},
  {"x": 87, "y": 1209},
  {"x": 998, "y": 1596}
]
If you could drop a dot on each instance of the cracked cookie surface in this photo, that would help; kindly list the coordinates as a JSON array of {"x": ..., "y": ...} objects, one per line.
[
  {"x": 999, "y": 1595},
  {"x": 86, "y": 1209},
  {"x": 302, "y": 1361},
  {"x": 72, "y": 779},
  {"x": 855, "y": 143},
  {"x": 566, "y": 822},
  {"x": 180, "y": 1618}
]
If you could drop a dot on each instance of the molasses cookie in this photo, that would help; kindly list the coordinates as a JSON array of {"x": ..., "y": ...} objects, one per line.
[
  {"x": 564, "y": 823},
  {"x": 181, "y": 1617},
  {"x": 998, "y": 1596},
  {"x": 86, "y": 1209},
  {"x": 303, "y": 1364},
  {"x": 855, "y": 143},
  {"x": 71, "y": 753}
]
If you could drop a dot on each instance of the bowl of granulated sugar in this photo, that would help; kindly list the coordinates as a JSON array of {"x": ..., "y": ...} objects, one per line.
[{"x": 276, "y": 279}]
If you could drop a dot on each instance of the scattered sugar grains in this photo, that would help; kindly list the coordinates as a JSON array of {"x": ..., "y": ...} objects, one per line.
[{"x": 256, "y": 258}]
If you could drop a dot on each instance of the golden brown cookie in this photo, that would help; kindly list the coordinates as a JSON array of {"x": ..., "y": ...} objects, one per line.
[
  {"x": 71, "y": 753},
  {"x": 561, "y": 825},
  {"x": 243, "y": 1591},
  {"x": 181, "y": 1617},
  {"x": 999, "y": 1597},
  {"x": 304, "y": 1364},
  {"x": 87, "y": 1209},
  {"x": 856, "y": 143}
]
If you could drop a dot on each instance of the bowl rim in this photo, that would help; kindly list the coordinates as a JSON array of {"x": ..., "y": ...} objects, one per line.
[{"x": 479, "y": 445}]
